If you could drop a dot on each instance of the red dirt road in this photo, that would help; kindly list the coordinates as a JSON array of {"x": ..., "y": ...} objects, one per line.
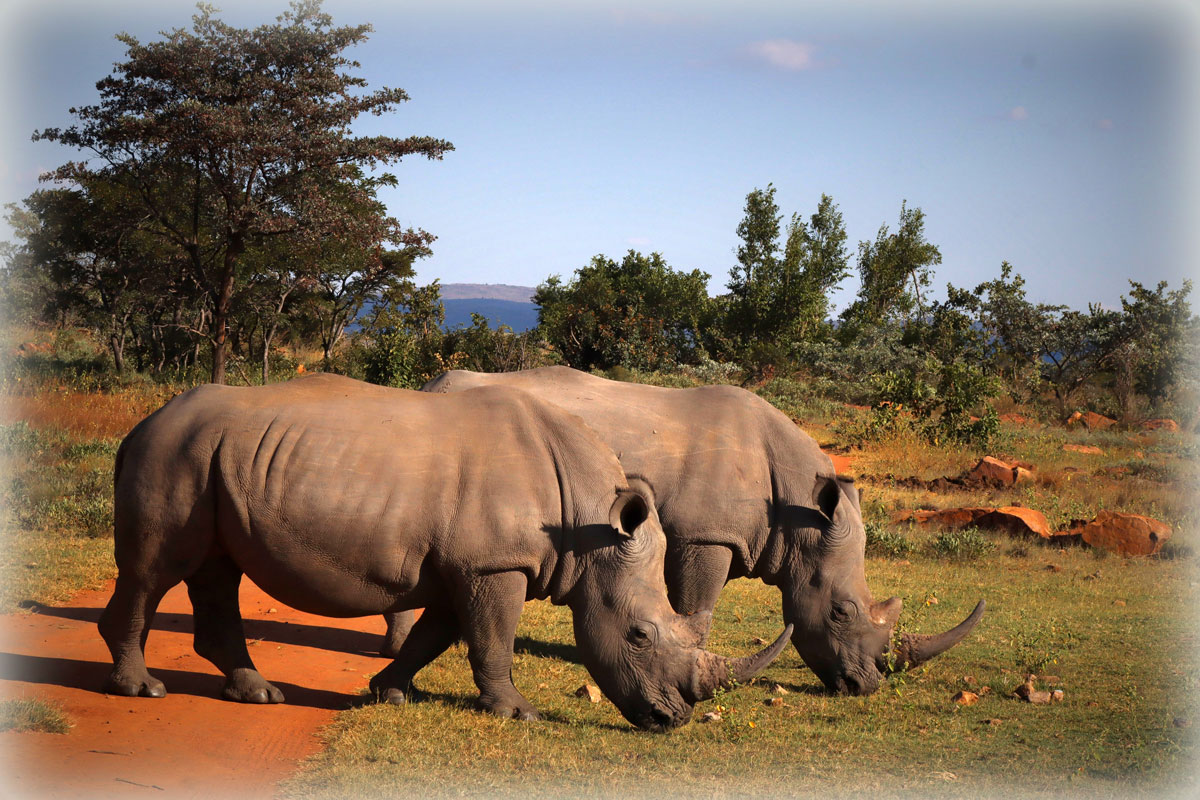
[{"x": 190, "y": 744}]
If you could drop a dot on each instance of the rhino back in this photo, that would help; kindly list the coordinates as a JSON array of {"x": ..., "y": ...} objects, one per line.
[
  {"x": 362, "y": 494},
  {"x": 719, "y": 458}
]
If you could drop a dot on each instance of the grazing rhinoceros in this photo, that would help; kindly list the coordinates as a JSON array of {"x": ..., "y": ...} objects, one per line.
[
  {"x": 741, "y": 492},
  {"x": 346, "y": 499}
]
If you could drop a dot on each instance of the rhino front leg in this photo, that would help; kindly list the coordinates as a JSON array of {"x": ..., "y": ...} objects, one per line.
[
  {"x": 429, "y": 637},
  {"x": 399, "y": 623},
  {"x": 489, "y": 608},
  {"x": 219, "y": 637}
]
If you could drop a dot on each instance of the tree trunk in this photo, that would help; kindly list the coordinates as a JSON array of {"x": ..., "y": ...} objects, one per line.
[{"x": 221, "y": 309}]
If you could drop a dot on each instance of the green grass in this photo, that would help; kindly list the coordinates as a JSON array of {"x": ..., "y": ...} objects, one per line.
[
  {"x": 1127, "y": 673},
  {"x": 33, "y": 715},
  {"x": 55, "y": 514}
]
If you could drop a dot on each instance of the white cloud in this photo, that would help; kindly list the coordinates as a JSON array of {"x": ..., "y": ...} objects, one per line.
[
  {"x": 1019, "y": 114},
  {"x": 783, "y": 53}
]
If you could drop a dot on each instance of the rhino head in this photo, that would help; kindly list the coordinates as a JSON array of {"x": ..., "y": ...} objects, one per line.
[
  {"x": 647, "y": 659},
  {"x": 840, "y": 631}
]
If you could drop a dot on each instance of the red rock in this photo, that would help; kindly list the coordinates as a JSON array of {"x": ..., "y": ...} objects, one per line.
[
  {"x": 1083, "y": 448},
  {"x": 592, "y": 693},
  {"x": 1016, "y": 419},
  {"x": 993, "y": 470},
  {"x": 1097, "y": 422},
  {"x": 1126, "y": 534},
  {"x": 965, "y": 698},
  {"x": 1090, "y": 420},
  {"x": 1022, "y": 475},
  {"x": 1016, "y": 521},
  {"x": 1168, "y": 425}
]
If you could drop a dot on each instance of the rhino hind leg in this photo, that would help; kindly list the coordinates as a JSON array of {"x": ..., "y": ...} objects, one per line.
[
  {"x": 429, "y": 637},
  {"x": 399, "y": 623},
  {"x": 124, "y": 626},
  {"x": 489, "y": 609},
  {"x": 219, "y": 636}
]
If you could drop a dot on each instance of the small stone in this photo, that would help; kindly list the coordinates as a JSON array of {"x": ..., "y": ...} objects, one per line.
[
  {"x": 758, "y": 640},
  {"x": 774, "y": 702},
  {"x": 777, "y": 689},
  {"x": 1056, "y": 696},
  {"x": 543, "y": 686},
  {"x": 984, "y": 690},
  {"x": 711, "y": 716},
  {"x": 272, "y": 610},
  {"x": 969, "y": 680},
  {"x": 1118, "y": 602},
  {"x": 965, "y": 698},
  {"x": 1053, "y": 568},
  {"x": 592, "y": 693}
]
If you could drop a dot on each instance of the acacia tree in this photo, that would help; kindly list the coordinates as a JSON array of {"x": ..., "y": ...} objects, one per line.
[{"x": 227, "y": 137}]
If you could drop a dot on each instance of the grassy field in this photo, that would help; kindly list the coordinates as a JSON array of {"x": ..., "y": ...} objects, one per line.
[{"x": 1117, "y": 635}]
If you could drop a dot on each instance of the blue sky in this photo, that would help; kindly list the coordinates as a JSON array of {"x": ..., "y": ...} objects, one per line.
[{"x": 1055, "y": 136}]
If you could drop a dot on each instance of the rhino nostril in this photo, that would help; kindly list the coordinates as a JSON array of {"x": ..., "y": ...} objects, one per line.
[{"x": 661, "y": 718}]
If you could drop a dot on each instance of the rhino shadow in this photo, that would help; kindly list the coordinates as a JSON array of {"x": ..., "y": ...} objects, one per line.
[
  {"x": 523, "y": 645},
  {"x": 89, "y": 676},
  {"x": 338, "y": 640}
]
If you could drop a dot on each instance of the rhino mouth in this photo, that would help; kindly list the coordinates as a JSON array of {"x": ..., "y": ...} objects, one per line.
[{"x": 660, "y": 719}]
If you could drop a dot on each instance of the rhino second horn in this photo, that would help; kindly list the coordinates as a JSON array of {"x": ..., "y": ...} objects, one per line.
[
  {"x": 915, "y": 649},
  {"x": 714, "y": 671}
]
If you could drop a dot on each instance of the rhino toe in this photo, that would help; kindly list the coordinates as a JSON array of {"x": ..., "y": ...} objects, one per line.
[
  {"x": 247, "y": 686},
  {"x": 135, "y": 686}
]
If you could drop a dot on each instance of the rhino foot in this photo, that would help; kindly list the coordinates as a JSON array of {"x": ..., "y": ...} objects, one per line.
[
  {"x": 143, "y": 685},
  {"x": 247, "y": 686},
  {"x": 509, "y": 710}
]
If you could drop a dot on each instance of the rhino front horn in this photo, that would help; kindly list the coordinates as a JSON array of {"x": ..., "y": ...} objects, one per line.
[
  {"x": 915, "y": 649},
  {"x": 714, "y": 671}
]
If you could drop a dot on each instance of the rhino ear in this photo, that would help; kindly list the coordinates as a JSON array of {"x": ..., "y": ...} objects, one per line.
[
  {"x": 826, "y": 495},
  {"x": 850, "y": 489},
  {"x": 629, "y": 511}
]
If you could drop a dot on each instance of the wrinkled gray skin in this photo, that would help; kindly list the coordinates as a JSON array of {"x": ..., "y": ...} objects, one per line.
[
  {"x": 345, "y": 499},
  {"x": 741, "y": 492}
]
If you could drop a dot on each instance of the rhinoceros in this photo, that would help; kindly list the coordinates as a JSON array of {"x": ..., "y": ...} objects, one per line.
[
  {"x": 346, "y": 499},
  {"x": 741, "y": 492}
]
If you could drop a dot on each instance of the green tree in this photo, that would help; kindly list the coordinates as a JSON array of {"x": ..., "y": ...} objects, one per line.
[
  {"x": 227, "y": 136},
  {"x": 815, "y": 262},
  {"x": 894, "y": 270},
  {"x": 639, "y": 313},
  {"x": 779, "y": 297}
]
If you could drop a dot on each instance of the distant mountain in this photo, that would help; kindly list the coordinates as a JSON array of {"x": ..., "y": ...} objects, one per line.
[
  {"x": 501, "y": 303},
  {"x": 487, "y": 291}
]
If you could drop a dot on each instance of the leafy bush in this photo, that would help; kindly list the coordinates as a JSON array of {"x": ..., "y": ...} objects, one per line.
[
  {"x": 963, "y": 544},
  {"x": 885, "y": 542}
]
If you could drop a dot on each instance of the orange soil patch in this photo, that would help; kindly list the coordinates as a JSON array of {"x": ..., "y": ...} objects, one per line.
[
  {"x": 841, "y": 463},
  {"x": 190, "y": 744}
]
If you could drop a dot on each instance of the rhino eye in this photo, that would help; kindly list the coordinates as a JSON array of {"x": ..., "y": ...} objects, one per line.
[
  {"x": 844, "y": 611},
  {"x": 638, "y": 636}
]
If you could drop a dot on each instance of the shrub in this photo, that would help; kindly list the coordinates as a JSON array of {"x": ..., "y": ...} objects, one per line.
[
  {"x": 885, "y": 542},
  {"x": 962, "y": 544}
]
